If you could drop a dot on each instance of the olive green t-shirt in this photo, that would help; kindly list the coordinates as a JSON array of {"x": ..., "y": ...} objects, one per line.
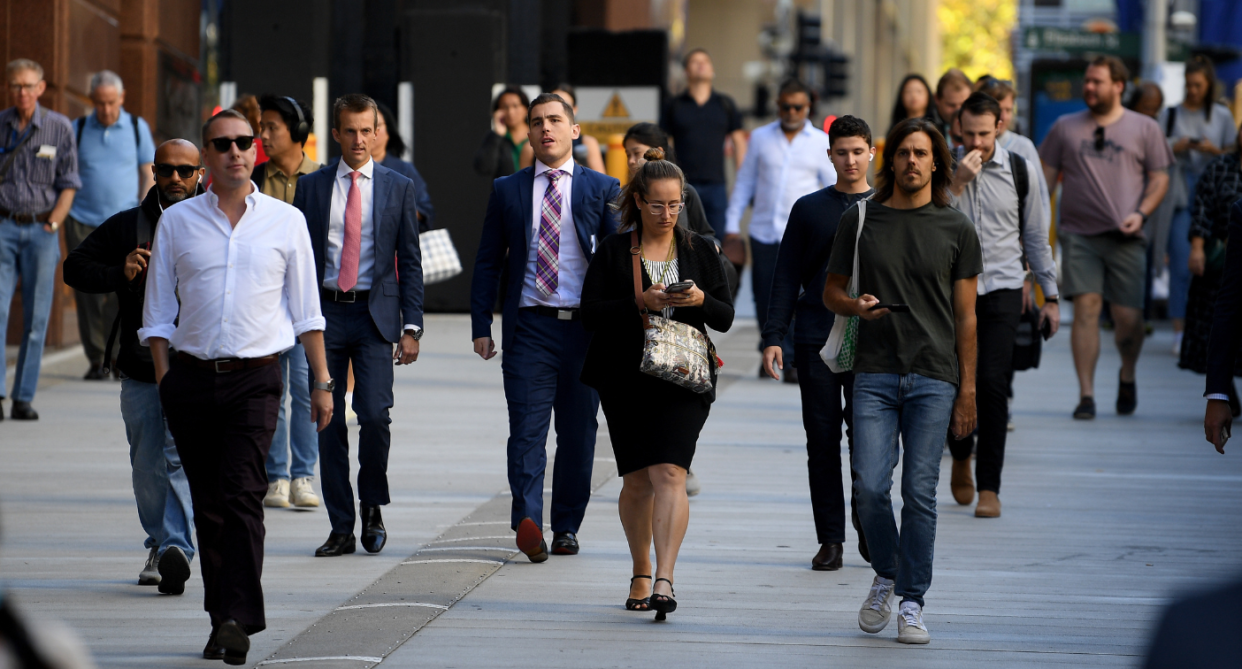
[{"x": 908, "y": 256}]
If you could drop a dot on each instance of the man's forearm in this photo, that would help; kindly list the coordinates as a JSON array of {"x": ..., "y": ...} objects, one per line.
[
  {"x": 159, "y": 355},
  {"x": 312, "y": 341},
  {"x": 1157, "y": 186},
  {"x": 967, "y": 353},
  {"x": 64, "y": 202}
]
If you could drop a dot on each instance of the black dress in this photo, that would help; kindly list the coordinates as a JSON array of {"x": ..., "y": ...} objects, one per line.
[
  {"x": 1218, "y": 188},
  {"x": 650, "y": 421}
]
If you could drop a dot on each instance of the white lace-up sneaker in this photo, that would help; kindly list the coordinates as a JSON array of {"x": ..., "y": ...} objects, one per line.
[
  {"x": 150, "y": 574},
  {"x": 302, "y": 493},
  {"x": 277, "y": 494},
  {"x": 910, "y": 627},
  {"x": 877, "y": 609},
  {"x": 692, "y": 484}
]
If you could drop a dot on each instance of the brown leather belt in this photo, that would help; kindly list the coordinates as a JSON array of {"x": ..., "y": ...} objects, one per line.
[
  {"x": 222, "y": 365},
  {"x": 25, "y": 218}
]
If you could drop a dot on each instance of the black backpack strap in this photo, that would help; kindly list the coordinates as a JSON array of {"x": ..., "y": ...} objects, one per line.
[
  {"x": 146, "y": 229},
  {"x": 79, "y": 124},
  {"x": 108, "y": 360},
  {"x": 1022, "y": 182},
  {"x": 1170, "y": 121},
  {"x": 133, "y": 118}
]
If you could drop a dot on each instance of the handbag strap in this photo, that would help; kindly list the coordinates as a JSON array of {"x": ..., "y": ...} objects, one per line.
[{"x": 635, "y": 251}]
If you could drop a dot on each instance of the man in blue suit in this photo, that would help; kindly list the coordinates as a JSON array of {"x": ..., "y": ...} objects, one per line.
[
  {"x": 549, "y": 218},
  {"x": 361, "y": 217}
]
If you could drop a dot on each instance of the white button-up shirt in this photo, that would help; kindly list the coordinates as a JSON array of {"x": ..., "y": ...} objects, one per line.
[
  {"x": 245, "y": 291},
  {"x": 573, "y": 262},
  {"x": 336, "y": 227},
  {"x": 776, "y": 172}
]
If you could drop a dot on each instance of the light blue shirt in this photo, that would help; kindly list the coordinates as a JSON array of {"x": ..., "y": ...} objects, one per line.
[
  {"x": 108, "y": 163},
  {"x": 775, "y": 173}
]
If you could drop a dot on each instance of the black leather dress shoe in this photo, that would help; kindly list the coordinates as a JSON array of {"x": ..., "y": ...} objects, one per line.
[
  {"x": 337, "y": 544},
  {"x": 374, "y": 536},
  {"x": 234, "y": 641},
  {"x": 23, "y": 411},
  {"x": 564, "y": 543},
  {"x": 95, "y": 373},
  {"x": 530, "y": 541},
  {"x": 213, "y": 651},
  {"x": 828, "y": 558}
]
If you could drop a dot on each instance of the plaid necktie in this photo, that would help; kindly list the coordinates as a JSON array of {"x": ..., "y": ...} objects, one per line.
[{"x": 547, "y": 264}]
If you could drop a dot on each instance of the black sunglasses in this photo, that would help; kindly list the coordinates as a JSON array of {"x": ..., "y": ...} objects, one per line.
[
  {"x": 165, "y": 171},
  {"x": 788, "y": 108},
  {"x": 243, "y": 143},
  {"x": 1099, "y": 138}
]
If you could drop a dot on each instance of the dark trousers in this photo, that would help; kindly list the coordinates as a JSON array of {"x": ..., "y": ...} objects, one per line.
[
  {"x": 762, "y": 269},
  {"x": 542, "y": 365},
  {"x": 822, "y": 390},
  {"x": 96, "y": 312},
  {"x": 223, "y": 425},
  {"x": 351, "y": 336},
  {"x": 997, "y": 313},
  {"x": 715, "y": 199}
]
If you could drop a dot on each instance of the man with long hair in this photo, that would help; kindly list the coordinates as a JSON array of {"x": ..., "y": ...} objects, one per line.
[{"x": 914, "y": 363}]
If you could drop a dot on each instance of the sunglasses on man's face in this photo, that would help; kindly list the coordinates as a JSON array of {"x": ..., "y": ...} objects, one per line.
[
  {"x": 243, "y": 143},
  {"x": 165, "y": 171},
  {"x": 792, "y": 108},
  {"x": 1099, "y": 139}
]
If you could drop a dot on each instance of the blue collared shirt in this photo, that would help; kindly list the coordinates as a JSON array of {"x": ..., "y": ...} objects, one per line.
[
  {"x": 108, "y": 162},
  {"x": 775, "y": 173},
  {"x": 45, "y": 165}
]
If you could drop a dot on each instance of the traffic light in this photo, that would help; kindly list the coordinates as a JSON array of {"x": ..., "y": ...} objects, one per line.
[{"x": 836, "y": 75}]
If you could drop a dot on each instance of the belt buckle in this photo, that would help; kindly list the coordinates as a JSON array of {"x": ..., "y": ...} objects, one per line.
[
  {"x": 353, "y": 296},
  {"x": 564, "y": 315},
  {"x": 217, "y": 366}
]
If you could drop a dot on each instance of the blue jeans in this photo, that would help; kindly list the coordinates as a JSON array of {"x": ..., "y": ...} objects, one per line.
[
  {"x": 30, "y": 253},
  {"x": 160, "y": 486},
  {"x": 715, "y": 199},
  {"x": 918, "y": 409},
  {"x": 1179, "y": 254},
  {"x": 762, "y": 269},
  {"x": 298, "y": 432}
]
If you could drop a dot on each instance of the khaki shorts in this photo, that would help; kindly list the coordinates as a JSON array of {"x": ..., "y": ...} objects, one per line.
[{"x": 1107, "y": 264}]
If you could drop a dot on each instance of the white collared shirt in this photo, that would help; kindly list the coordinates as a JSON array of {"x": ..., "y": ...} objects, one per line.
[
  {"x": 336, "y": 226},
  {"x": 573, "y": 262},
  {"x": 776, "y": 172},
  {"x": 245, "y": 291}
]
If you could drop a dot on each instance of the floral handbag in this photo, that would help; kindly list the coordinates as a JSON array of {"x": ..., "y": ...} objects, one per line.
[{"x": 672, "y": 350}]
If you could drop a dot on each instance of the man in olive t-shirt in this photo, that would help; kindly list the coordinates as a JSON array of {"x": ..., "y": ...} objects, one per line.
[{"x": 914, "y": 367}]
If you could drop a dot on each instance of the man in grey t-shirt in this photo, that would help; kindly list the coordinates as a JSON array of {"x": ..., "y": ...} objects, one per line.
[
  {"x": 1115, "y": 163},
  {"x": 914, "y": 366}
]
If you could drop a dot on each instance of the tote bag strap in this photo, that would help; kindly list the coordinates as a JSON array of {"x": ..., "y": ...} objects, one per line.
[
  {"x": 862, "y": 216},
  {"x": 635, "y": 250}
]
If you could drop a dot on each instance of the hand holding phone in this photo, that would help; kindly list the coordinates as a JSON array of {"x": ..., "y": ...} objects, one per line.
[
  {"x": 679, "y": 287},
  {"x": 893, "y": 308}
]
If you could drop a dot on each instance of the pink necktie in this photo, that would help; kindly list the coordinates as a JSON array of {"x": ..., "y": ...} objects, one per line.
[{"x": 350, "y": 248}]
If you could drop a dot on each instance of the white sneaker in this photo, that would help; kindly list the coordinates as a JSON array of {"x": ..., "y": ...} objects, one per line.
[
  {"x": 910, "y": 627},
  {"x": 877, "y": 609},
  {"x": 277, "y": 494},
  {"x": 692, "y": 484},
  {"x": 302, "y": 493},
  {"x": 150, "y": 574},
  {"x": 1177, "y": 343}
]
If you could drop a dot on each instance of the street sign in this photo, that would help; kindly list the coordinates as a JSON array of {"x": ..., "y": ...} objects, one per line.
[
  {"x": 608, "y": 110},
  {"x": 1043, "y": 38}
]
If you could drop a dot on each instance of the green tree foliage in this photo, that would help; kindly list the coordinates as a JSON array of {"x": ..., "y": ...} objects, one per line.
[{"x": 975, "y": 36}]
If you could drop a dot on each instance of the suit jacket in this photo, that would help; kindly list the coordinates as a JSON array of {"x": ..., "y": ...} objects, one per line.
[
  {"x": 508, "y": 227},
  {"x": 397, "y": 281},
  {"x": 1227, "y": 320}
]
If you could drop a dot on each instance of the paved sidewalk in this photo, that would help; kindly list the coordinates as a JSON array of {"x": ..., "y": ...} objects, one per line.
[{"x": 1102, "y": 521}]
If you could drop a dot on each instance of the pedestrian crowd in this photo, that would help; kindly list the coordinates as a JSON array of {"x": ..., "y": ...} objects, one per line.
[{"x": 896, "y": 307}]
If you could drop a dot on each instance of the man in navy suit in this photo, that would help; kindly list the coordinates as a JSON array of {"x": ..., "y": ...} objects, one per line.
[
  {"x": 550, "y": 218},
  {"x": 361, "y": 217},
  {"x": 1225, "y": 339}
]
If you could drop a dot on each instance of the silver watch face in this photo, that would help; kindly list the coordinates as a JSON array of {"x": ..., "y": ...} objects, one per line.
[{"x": 415, "y": 334}]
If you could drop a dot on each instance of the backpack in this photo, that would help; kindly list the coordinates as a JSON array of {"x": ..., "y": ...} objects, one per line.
[{"x": 80, "y": 123}]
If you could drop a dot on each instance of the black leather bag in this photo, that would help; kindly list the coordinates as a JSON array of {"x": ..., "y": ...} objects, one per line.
[{"x": 1028, "y": 345}]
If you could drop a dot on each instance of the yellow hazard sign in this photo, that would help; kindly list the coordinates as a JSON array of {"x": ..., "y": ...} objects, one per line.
[{"x": 616, "y": 108}]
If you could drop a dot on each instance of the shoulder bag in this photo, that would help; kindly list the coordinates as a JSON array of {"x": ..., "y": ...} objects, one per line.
[
  {"x": 672, "y": 350},
  {"x": 838, "y": 352},
  {"x": 440, "y": 259}
]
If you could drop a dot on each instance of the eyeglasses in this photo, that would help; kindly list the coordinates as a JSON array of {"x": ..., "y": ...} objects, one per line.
[
  {"x": 1099, "y": 138},
  {"x": 793, "y": 108},
  {"x": 243, "y": 143},
  {"x": 165, "y": 171},
  {"x": 657, "y": 208},
  {"x": 17, "y": 88}
]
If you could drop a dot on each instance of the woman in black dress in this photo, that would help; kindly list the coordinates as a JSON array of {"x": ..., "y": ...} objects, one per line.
[
  {"x": 1217, "y": 190},
  {"x": 653, "y": 424}
]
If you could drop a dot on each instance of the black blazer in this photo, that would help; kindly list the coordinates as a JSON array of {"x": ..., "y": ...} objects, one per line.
[
  {"x": 1227, "y": 320},
  {"x": 608, "y": 307}
]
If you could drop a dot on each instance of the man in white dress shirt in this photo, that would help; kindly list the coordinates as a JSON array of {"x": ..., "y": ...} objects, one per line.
[
  {"x": 240, "y": 265},
  {"x": 787, "y": 159}
]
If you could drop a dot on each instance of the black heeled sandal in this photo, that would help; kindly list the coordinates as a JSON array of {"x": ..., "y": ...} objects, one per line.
[
  {"x": 663, "y": 604},
  {"x": 632, "y": 604}
]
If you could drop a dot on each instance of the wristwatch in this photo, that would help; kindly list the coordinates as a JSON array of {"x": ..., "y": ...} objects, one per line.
[
  {"x": 1140, "y": 213},
  {"x": 329, "y": 386},
  {"x": 415, "y": 334},
  {"x": 1054, "y": 299}
]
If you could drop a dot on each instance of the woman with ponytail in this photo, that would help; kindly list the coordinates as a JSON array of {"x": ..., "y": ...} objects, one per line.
[{"x": 653, "y": 424}]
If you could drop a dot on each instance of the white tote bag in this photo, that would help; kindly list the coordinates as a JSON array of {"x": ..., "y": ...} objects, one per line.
[
  {"x": 440, "y": 260},
  {"x": 838, "y": 353}
]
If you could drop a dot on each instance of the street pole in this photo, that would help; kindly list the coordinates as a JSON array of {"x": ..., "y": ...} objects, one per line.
[{"x": 1155, "y": 44}]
